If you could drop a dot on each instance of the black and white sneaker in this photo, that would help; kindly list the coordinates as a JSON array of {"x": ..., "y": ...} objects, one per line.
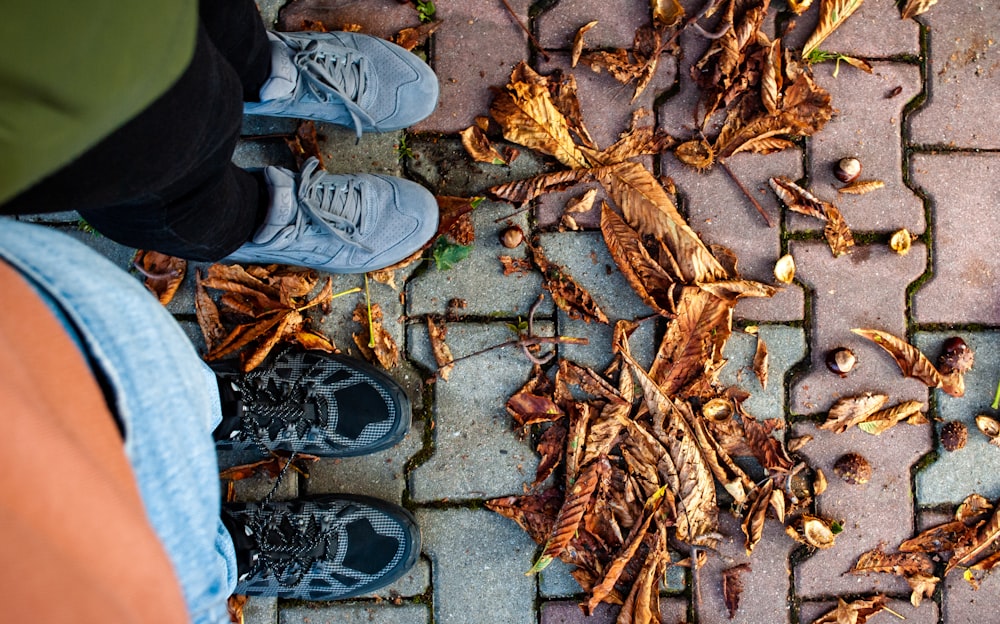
[
  {"x": 312, "y": 402},
  {"x": 320, "y": 548}
]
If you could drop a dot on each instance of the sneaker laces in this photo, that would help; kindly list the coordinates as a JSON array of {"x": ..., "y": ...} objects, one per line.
[
  {"x": 335, "y": 208},
  {"x": 287, "y": 546},
  {"x": 336, "y": 77}
]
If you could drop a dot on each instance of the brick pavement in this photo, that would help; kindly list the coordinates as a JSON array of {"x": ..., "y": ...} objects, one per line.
[{"x": 931, "y": 143}]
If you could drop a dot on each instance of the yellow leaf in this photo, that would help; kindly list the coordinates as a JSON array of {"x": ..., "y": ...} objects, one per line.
[
  {"x": 913, "y": 8},
  {"x": 832, "y": 14},
  {"x": 578, "y": 42},
  {"x": 784, "y": 269}
]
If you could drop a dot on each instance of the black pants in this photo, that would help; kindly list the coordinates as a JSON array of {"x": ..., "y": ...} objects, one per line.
[{"x": 165, "y": 180}]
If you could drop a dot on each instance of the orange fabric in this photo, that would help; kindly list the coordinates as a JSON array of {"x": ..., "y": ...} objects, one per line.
[{"x": 75, "y": 544}]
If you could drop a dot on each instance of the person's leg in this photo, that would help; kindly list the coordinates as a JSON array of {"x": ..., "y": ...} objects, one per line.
[
  {"x": 236, "y": 30},
  {"x": 165, "y": 396},
  {"x": 165, "y": 179}
]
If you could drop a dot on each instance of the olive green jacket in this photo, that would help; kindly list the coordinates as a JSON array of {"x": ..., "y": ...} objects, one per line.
[{"x": 73, "y": 71}]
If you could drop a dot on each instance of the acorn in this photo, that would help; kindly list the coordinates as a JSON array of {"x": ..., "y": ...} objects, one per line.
[
  {"x": 847, "y": 170},
  {"x": 954, "y": 435},
  {"x": 841, "y": 361},
  {"x": 853, "y": 468},
  {"x": 512, "y": 237},
  {"x": 956, "y": 356}
]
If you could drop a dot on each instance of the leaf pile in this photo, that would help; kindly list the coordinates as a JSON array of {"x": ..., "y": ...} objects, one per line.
[{"x": 262, "y": 307}]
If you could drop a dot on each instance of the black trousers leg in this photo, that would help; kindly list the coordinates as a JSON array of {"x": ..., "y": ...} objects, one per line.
[{"x": 165, "y": 180}]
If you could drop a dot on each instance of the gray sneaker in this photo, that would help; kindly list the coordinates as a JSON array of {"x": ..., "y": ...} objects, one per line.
[
  {"x": 348, "y": 79},
  {"x": 340, "y": 223}
]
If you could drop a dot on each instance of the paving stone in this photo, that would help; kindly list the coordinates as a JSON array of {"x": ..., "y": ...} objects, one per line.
[
  {"x": 119, "y": 255},
  {"x": 65, "y": 217},
  {"x": 722, "y": 215},
  {"x": 616, "y": 23},
  {"x": 679, "y": 115},
  {"x": 962, "y": 603},
  {"x": 856, "y": 36},
  {"x": 765, "y": 586},
  {"x": 926, "y": 613},
  {"x": 260, "y": 610},
  {"x": 476, "y": 47},
  {"x": 443, "y": 165},
  {"x": 964, "y": 189},
  {"x": 865, "y": 288},
  {"x": 479, "y": 559},
  {"x": 415, "y": 582},
  {"x": 868, "y": 128},
  {"x": 476, "y": 453},
  {"x": 964, "y": 63},
  {"x": 551, "y": 206},
  {"x": 358, "y": 613},
  {"x": 672, "y": 610},
  {"x": 479, "y": 279},
  {"x": 598, "y": 354},
  {"x": 381, "y": 474},
  {"x": 379, "y": 18},
  {"x": 786, "y": 346},
  {"x": 975, "y": 468},
  {"x": 878, "y": 512}
]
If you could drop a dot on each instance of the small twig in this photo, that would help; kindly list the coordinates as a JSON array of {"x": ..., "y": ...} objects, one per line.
[
  {"x": 753, "y": 201},
  {"x": 525, "y": 208},
  {"x": 534, "y": 41},
  {"x": 529, "y": 341},
  {"x": 371, "y": 324},
  {"x": 151, "y": 275},
  {"x": 711, "y": 35}
]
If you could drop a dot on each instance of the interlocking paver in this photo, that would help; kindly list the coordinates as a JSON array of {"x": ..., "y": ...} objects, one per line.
[
  {"x": 878, "y": 512},
  {"x": 479, "y": 280},
  {"x": 616, "y": 23},
  {"x": 874, "y": 31},
  {"x": 444, "y": 167},
  {"x": 722, "y": 215},
  {"x": 865, "y": 288},
  {"x": 476, "y": 454},
  {"x": 927, "y": 613},
  {"x": 381, "y": 474},
  {"x": 672, "y": 611},
  {"x": 479, "y": 560},
  {"x": 361, "y": 613},
  {"x": 867, "y": 127},
  {"x": 475, "y": 48},
  {"x": 963, "y": 66},
  {"x": 975, "y": 468},
  {"x": 966, "y": 271},
  {"x": 786, "y": 346}
]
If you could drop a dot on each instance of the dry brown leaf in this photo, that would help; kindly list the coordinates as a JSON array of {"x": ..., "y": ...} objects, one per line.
[
  {"x": 529, "y": 117},
  {"x": 903, "y": 564},
  {"x": 849, "y": 411},
  {"x": 855, "y": 612},
  {"x": 913, "y": 8},
  {"x": 922, "y": 585},
  {"x": 819, "y": 482},
  {"x": 799, "y": 6},
  {"x": 520, "y": 191},
  {"x": 697, "y": 153},
  {"x": 770, "y": 81},
  {"x": 409, "y": 38},
  {"x": 861, "y": 187},
  {"x": 551, "y": 446},
  {"x": 567, "y": 294},
  {"x": 911, "y": 361},
  {"x": 732, "y": 290},
  {"x": 796, "y": 444},
  {"x": 732, "y": 587},
  {"x": 642, "y": 605},
  {"x": 535, "y": 513},
  {"x": 667, "y": 12},
  {"x": 758, "y": 501},
  {"x": 947, "y": 537},
  {"x": 769, "y": 451},
  {"x": 480, "y": 148},
  {"x": 986, "y": 536},
  {"x": 373, "y": 340},
  {"x": 649, "y": 210},
  {"x": 784, "y": 269},
  {"x": 208, "y": 315},
  {"x": 798, "y": 199},
  {"x": 442, "y": 354},
  {"x": 653, "y": 285},
  {"x": 519, "y": 266},
  {"x": 315, "y": 341},
  {"x": 972, "y": 508},
  {"x": 615, "y": 62},
  {"x": 163, "y": 274},
  {"x": 304, "y": 144},
  {"x": 832, "y": 14},
  {"x": 884, "y": 420},
  {"x": 838, "y": 234},
  {"x": 760, "y": 362},
  {"x": 578, "y": 42}
]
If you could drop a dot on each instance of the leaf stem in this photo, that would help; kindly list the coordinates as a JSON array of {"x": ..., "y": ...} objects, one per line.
[
  {"x": 534, "y": 41},
  {"x": 371, "y": 325},
  {"x": 996, "y": 398},
  {"x": 753, "y": 200}
]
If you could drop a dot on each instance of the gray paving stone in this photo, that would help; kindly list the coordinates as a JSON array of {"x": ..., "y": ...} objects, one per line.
[
  {"x": 476, "y": 47},
  {"x": 119, "y": 255},
  {"x": 764, "y": 587},
  {"x": 878, "y": 512},
  {"x": 476, "y": 454},
  {"x": 479, "y": 559},
  {"x": 927, "y": 613},
  {"x": 444, "y": 165},
  {"x": 479, "y": 279},
  {"x": 964, "y": 189},
  {"x": 260, "y": 610},
  {"x": 857, "y": 35},
  {"x": 616, "y": 23},
  {"x": 415, "y": 582},
  {"x": 358, "y": 613},
  {"x": 722, "y": 215},
  {"x": 865, "y": 288},
  {"x": 381, "y": 474},
  {"x": 672, "y": 610},
  {"x": 964, "y": 64},
  {"x": 679, "y": 115},
  {"x": 975, "y": 468},
  {"x": 551, "y": 206},
  {"x": 868, "y": 128},
  {"x": 380, "y": 18},
  {"x": 69, "y": 216},
  {"x": 786, "y": 346},
  {"x": 598, "y": 354}
]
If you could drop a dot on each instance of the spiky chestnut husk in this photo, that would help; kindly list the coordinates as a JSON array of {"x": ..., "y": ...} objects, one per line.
[
  {"x": 853, "y": 468},
  {"x": 956, "y": 356},
  {"x": 954, "y": 435}
]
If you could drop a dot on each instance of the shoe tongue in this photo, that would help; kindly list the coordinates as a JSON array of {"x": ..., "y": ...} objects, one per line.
[
  {"x": 281, "y": 211},
  {"x": 284, "y": 74}
]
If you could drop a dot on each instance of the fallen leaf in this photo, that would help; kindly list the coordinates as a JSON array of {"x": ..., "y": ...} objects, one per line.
[
  {"x": 373, "y": 340},
  {"x": 784, "y": 269},
  {"x": 578, "y": 42},
  {"x": 207, "y": 314},
  {"x": 304, "y": 144},
  {"x": 849, "y": 411},
  {"x": 163, "y": 274},
  {"x": 855, "y": 612},
  {"x": 758, "y": 500},
  {"x": 901, "y": 241},
  {"x": 519, "y": 266},
  {"x": 819, "y": 482},
  {"x": 885, "y": 419},
  {"x": 409, "y": 38},
  {"x": 911, "y": 361},
  {"x": 760, "y": 363},
  {"x": 913, "y": 8},
  {"x": 973, "y": 508},
  {"x": 769, "y": 451},
  {"x": 480, "y": 148},
  {"x": 798, "y": 199},
  {"x": 732, "y": 587},
  {"x": 861, "y": 187},
  {"x": 567, "y": 294},
  {"x": 832, "y": 14},
  {"x": 442, "y": 354},
  {"x": 535, "y": 513},
  {"x": 551, "y": 446},
  {"x": 990, "y": 428},
  {"x": 647, "y": 278},
  {"x": 986, "y": 536}
]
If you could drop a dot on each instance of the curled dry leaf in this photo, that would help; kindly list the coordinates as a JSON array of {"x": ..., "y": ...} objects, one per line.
[
  {"x": 653, "y": 285},
  {"x": 819, "y": 482},
  {"x": 911, "y": 361},
  {"x": 885, "y": 419},
  {"x": 849, "y": 411},
  {"x": 697, "y": 153},
  {"x": 855, "y": 612},
  {"x": 973, "y": 508},
  {"x": 758, "y": 500},
  {"x": 567, "y": 294},
  {"x": 373, "y": 340},
  {"x": 480, "y": 148},
  {"x": 990, "y": 428},
  {"x": 784, "y": 269},
  {"x": 913, "y": 8},
  {"x": 901, "y": 241},
  {"x": 163, "y": 274},
  {"x": 760, "y": 362},
  {"x": 732, "y": 587},
  {"x": 409, "y": 38},
  {"x": 832, "y": 13},
  {"x": 861, "y": 187},
  {"x": 442, "y": 354},
  {"x": 578, "y": 42},
  {"x": 208, "y": 315},
  {"x": 304, "y": 144}
]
